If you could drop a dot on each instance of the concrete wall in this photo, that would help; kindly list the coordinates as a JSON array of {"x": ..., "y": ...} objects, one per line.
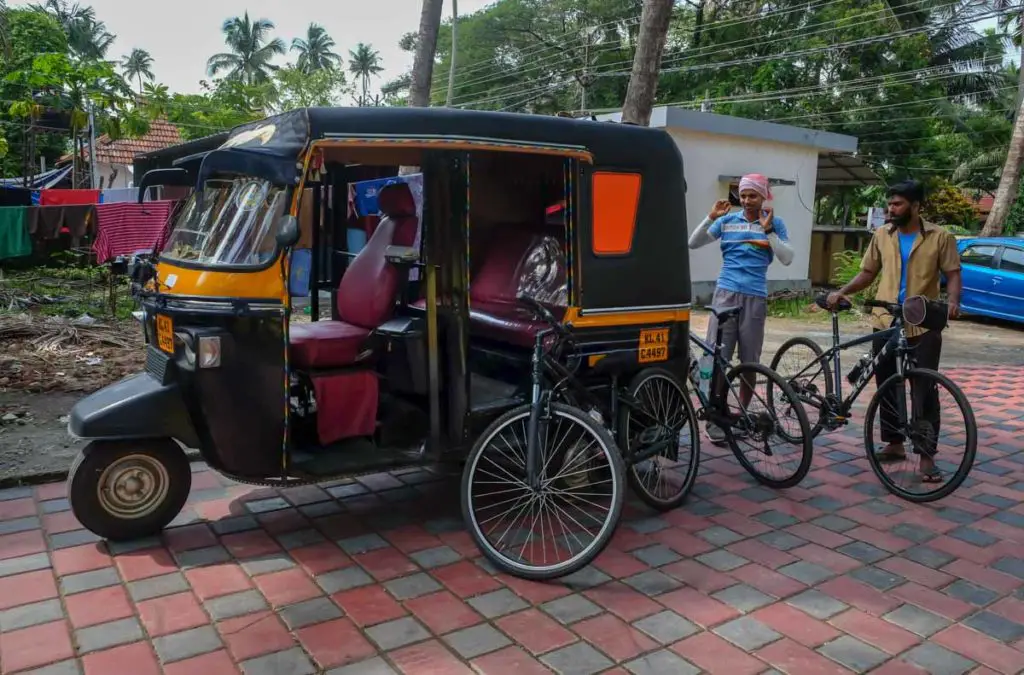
[
  {"x": 706, "y": 157},
  {"x": 123, "y": 178}
]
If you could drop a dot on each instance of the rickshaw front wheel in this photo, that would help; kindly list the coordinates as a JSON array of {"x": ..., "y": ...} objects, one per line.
[{"x": 123, "y": 490}]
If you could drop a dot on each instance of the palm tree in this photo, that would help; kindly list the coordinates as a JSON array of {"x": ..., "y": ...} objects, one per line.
[
  {"x": 251, "y": 53},
  {"x": 364, "y": 63},
  {"x": 87, "y": 37},
  {"x": 315, "y": 50},
  {"x": 426, "y": 47},
  {"x": 138, "y": 64}
]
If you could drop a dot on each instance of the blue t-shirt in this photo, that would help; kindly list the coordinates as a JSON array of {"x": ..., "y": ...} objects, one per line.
[
  {"x": 746, "y": 253},
  {"x": 906, "y": 246}
]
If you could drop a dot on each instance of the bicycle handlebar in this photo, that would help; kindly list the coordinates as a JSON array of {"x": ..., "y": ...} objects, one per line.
[
  {"x": 544, "y": 314},
  {"x": 893, "y": 308}
]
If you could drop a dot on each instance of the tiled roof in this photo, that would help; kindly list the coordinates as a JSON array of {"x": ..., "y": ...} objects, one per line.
[{"x": 162, "y": 134}]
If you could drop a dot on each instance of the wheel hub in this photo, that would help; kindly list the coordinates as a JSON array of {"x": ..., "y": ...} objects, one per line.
[{"x": 133, "y": 486}]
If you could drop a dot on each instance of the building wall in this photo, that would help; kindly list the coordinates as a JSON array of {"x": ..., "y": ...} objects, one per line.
[
  {"x": 123, "y": 178},
  {"x": 706, "y": 157}
]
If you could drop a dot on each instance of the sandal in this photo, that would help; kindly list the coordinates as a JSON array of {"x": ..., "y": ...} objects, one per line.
[
  {"x": 931, "y": 476},
  {"x": 887, "y": 454}
]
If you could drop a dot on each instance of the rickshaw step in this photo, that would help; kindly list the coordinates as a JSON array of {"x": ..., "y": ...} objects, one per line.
[{"x": 356, "y": 457}]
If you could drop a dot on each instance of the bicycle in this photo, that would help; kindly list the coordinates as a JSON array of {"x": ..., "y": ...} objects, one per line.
[
  {"x": 834, "y": 411},
  {"x": 758, "y": 429},
  {"x": 571, "y": 479}
]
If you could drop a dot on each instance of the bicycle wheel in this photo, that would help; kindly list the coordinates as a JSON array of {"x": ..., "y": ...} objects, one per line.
[
  {"x": 756, "y": 434},
  {"x": 812, "y": 384},
  {"x": 661, "y": 410},
  {"x": 559, "y": 527},
  {"x": 951, "y": 429}
]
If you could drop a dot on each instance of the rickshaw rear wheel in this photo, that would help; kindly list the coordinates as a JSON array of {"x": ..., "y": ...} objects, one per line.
[{"x": 123, "y": 490}]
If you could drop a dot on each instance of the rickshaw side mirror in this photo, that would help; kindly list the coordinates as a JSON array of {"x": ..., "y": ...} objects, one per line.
[{"x": 289, "y": 233}]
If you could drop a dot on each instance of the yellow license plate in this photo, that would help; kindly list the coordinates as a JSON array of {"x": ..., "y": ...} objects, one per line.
[
  {"x": 165, "y": 334},
  {"x": 653, "y": 345}
]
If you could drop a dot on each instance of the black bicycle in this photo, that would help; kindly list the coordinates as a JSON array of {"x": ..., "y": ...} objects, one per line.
[
  {"x": 758, "y": 437},
  {"x": 816, "y": 378},
  {"x": 544, "y": 484}
]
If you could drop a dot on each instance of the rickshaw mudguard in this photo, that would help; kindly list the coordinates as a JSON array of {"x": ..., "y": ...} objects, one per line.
[{"x": 134, "y": 408}]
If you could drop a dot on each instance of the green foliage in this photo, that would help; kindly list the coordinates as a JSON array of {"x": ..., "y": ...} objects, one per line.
[
  {"x": 946, "y": 205},
  {"x": 847, "y": 266},
  {"x": 295, "y": 88},
  {"x": 1015, "y": 219}
]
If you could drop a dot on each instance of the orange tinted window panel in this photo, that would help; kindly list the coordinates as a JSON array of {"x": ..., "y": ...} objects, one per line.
[{"x": 616, "y": 198}]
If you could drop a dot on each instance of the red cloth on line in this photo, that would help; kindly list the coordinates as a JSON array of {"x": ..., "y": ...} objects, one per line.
[
  {"x": 127, "y": 227},
  {"x": 68, "y": 197}
]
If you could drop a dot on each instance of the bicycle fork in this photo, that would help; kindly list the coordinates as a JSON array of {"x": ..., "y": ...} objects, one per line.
[{"x": 534, "y": 425}]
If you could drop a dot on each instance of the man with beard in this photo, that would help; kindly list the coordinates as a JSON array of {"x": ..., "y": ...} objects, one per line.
[{"x": 911, "y": 255}]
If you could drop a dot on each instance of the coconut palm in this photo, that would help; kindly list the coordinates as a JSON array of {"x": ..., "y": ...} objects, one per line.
[
  {"x": 250, "y": 55},
  {"x": 364, "y": 63},
  {"x": 87, "y": 37},
  {"x": 315, "y": 50},
  {"x": 137, "y": 65}
]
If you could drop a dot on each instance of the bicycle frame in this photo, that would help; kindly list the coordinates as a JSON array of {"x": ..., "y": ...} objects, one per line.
[{"x": 714, "y": 404}]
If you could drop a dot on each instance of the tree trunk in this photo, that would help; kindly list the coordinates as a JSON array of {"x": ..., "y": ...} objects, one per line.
[
  {"x": 426, "y": 46},
  {"x": 1006, "y": 194},
  {"x": 643, "y": 80},
  {"x": 451, "y": 69}
]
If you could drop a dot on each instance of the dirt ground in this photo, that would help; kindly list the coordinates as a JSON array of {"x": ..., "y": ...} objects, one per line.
[{"x": 34, "y": 443}]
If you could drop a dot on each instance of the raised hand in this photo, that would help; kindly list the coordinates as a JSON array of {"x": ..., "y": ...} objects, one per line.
[
  {"x": 767, "y": 217},
  {"x": 720, "y": 208}
]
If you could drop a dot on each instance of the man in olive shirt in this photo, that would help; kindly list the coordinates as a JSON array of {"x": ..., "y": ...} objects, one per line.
[{"x": 911, "y": 254}]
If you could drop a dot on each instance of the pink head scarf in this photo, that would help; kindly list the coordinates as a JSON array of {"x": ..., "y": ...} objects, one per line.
[{"x": 758, "y": 183}]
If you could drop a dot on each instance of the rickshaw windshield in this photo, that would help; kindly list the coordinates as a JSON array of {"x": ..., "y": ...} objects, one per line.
[{"x": 234, "y": 224}]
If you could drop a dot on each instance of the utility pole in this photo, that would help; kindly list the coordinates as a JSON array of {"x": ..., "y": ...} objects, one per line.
[
  {"x": 451, "y": 70},
  {"x": 92, "y": 146}
]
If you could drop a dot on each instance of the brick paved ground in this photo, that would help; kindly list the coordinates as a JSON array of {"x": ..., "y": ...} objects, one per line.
[{"x": 377, "y": 576}]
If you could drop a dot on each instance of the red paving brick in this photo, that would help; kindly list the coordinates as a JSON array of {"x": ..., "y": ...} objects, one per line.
[
  {"x": 137, "y": 658},
  {"x": 797, "y": 625},
  {"x": 254, "y": 635},
  {"x": 151, "y": 562},
  {"x": 35, "y": 646},
  {"x": 509, "y": 661},
  {"x": 80, "y": 559},
  {"x": 442, "y": 612},
  {"x": 536, "y": 631},
  {"x": 874, "y": 631},
  {"x": 335, "y": 643},
  {"x": 614, "y": 637},
  {"x": 99, "y": 606},
  {"x": 715, "y": 655},
  {"x": 287, "y": 587},
  {"x": 623, "y": 601},
  {"x": 427, "y": 658},
  {"x": 794, "y": 659},
  {"x": 171, "y": 614},
  {"x": 981, "y": 648},
  {"x": 22, "y": 589},
  {"x": 321, "y": 558},
  {"x": 213, "y": 581},
  {"x": 369, "y": 605},
  {"x": 214, "y": 663}
]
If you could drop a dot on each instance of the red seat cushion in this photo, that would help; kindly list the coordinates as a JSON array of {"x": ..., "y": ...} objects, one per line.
[
  {"x": 326, "y": 344},
  {"x": 507, "y": 323}
]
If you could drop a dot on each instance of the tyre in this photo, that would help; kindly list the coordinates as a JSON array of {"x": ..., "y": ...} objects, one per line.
[
  {"x": 123, "y": 490},
  {"x": 812, "y": 384},
  {"x": 751, "y": 430},
  {"x": 921, "y": 431},
  {"x": 576, "y": 452},
  {"x": 662, "y": 406}
]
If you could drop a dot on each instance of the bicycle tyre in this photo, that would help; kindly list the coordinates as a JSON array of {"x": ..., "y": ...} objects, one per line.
[
  {"x": 807, "y": 451},
  {"x": 585, "y": 557},
  {"x": 640, "y": 380},
  {"x": 826, "y": 370},
  {"x": 970, "y": 423}
]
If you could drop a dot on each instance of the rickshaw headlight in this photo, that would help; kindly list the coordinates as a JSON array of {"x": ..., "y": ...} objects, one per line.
[{"x": 209, "y": 351}]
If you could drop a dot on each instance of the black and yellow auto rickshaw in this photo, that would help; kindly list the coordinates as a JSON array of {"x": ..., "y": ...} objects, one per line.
[{"x": 517, "y": 297}]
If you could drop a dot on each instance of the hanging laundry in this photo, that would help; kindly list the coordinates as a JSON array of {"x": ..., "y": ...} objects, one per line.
[
  {"x": 68, "y": 197},
  {"x": 119, "y": 195},
  {"x": 78, "y": 221},
  {"x": 14, "y": 238},
  {"x": 48, "y": 221},
  {"x": 35, "y": 197},
  {"x": 13, "y": 196},
  {"x": 125, "y": 228}
]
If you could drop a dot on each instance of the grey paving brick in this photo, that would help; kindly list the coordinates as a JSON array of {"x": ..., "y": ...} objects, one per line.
[
  {"x": 133, "y": 545},
  {"x": 817, "y": 604},
  {"x": 747, "y": 633},
  {"x": 497, "y": 603},
  {"x": 236, "y": 604},
  {"x": 470, "y": 643},
  {"x": 74, "y": 538},
  {"x": 834, "y": 523},
  {"x": 577, "y": 659},
  {"x": 657, "y": 555},
  {"x": 864, "y": 552},
  {"x": 661, "y": 663},
  {"x": 63, "y": 668},
  {"x": 877, "y": 577},
  {"x": 588, "y": 577},
  {"x": 936, "y": 660},
  {"x": 156, "y": 587},
  {"x": 744, "y": 598},
  {"x": 26, "y": 563},
  {"x": 397, "y": 633},
  {"x": 700, "y": 507},
  {"x": 973, "y": 536},
  {"x": 1014, "y": 566},
  {"x": 186, "y": 644},
  {"x": 95, "y": 638},
  {"x": 88, "y": 581},
  {"x": 235, "y": 524},
  {"x": 916, "y": 620},
  {"x": 571, "y": 608},
  {"x": 722, "y": 560},
  {"x": 435, "y": 557},
  {"x": 758, "y": 495},
  {"x": 1011, "y": 518},
  {"x": 666, "y": 627},
  {"x": 648, "y": 525},
  {"x": 993, "y": 625},
  {"x": 309, "y": 612},
  {"x": 968, "y": 592},
  {"x": 720, "y": 536},
  {"x": 265, "y": 564},
  {"x": 869, "y": 489},
  {"x": 346, "y": 490},
  {"x": 374, "y": 666},
  {"x": 30, "y": 615},
  {"x": 880, "y": 508},
  {"x": 203, "y": 556},
  {"x": 927, "y": 556},
  {"x": 807, "y": 573},
  {"x": 363, "y": 543},
  {"x": 652, "y": 582},
  {"x": 825, "y": 503},
  {"x": 443, "y": 525},
  {"x": 915, "y": 533},
  {"x": 994, "y": 501},
  {"x": 54, "y": 506},
  {"x": 299, "y": 539},
  {"x": 412, "y": 586},
  {"x": 343, "y": 579},
  {"x": 266, "y": 505},
  {"x": 10, "y": 494},
  {"x": 291, "y": 662},
  {"x": 854, "y": 654},
  {"x": 320, "y": 509},
  {"x": 20, "y": 525},
  {"x": 783, "y": 541},
  {"x": 776, "y": 518}
]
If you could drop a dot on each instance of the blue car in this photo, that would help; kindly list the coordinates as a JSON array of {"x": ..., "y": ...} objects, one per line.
[{"x": 993, "y": 275}]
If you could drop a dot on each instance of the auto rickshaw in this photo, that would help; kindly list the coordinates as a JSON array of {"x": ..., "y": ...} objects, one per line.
[{"x": 517, "y": 298}]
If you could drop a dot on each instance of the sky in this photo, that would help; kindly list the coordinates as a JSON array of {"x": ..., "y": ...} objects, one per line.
[{"x": 182, "y": 34}]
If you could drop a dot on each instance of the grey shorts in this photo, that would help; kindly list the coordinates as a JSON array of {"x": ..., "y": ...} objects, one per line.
[{"x": 747, "y": 328}]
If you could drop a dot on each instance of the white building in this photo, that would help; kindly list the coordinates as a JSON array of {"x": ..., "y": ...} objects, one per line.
[{"x": 718, "y": 149}]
